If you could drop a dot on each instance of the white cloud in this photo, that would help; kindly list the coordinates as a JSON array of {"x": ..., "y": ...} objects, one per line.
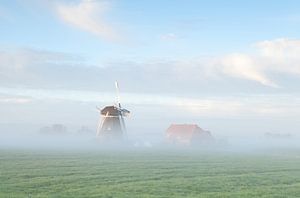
[
  {"x": 229, "y": 106},
  {"x": 52, "y": 70},
  {"x": 14, "y": 99},
  {"x": 244, "y": 66},
  {"x": 30, "y": 67},
  {"x": 279, "y": 48},
  {"x": 87, "y": 15},
  {"x": 16, "y": 61},
  {"x": 169, "y": 36},
  {"x": 271, "y": 56},
  {"x": 281, "y": 55}
]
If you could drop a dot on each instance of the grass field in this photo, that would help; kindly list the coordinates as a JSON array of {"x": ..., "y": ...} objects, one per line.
[{"x": 148, "y": 174}]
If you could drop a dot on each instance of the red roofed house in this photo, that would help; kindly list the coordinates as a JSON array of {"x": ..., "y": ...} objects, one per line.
[{"x": 187, "y": 134}]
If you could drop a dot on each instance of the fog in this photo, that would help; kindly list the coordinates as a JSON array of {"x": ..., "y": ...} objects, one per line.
[
  {"x": 24, "y": 124},
  {"x": 141, "y": 140}
]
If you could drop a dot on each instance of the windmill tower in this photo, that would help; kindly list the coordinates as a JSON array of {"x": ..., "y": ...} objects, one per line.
[{"x": 111, "y": 124}]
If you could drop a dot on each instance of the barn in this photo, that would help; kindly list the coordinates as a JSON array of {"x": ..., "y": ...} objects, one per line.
[{"x": 187, "y": 134}]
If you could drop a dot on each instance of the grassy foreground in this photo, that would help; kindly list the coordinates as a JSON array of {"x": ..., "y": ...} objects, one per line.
[{"x": 148, "y": 174}]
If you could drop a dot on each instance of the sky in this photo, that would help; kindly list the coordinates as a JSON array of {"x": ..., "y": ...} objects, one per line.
[{"x": 232, "y": 67}]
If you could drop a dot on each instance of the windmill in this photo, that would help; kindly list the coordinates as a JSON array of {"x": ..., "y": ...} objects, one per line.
[{"x": 111, "y": 124}]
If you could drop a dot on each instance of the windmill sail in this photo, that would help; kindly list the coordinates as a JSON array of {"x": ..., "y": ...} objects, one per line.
[{"x": 118, "y": 94}]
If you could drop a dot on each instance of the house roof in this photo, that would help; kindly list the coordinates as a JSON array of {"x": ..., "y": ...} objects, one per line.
[
  {"x": 183, "y": 132},
  {"x": 110, "y": 111}
]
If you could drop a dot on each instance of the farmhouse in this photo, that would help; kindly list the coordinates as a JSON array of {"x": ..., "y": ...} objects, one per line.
[{"x": 187, "y": 134}]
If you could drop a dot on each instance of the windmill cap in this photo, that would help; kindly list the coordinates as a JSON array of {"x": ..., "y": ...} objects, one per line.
[
  {"x": 110, "y": 110},
  {"x": 113, "y": 111}
]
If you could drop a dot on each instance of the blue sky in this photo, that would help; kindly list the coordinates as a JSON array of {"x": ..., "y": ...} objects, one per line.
[
  {"x": 213, "y": 61},
  {"x": 200, "y": 27}
]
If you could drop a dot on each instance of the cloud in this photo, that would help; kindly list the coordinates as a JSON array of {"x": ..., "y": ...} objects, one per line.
[
  {"x": 23, "y": 67},
  {"x": 280, "y": 55},
  {"x": 87, "y": 15},
  {"x": 5, "y": 99},
  {"x": 169, "y": 36},
  {"x": 270, "y": 63},
  {"x": 279, "y": 48},
  {"x": 17, "y": 61},
  {"x": 245, "y": 67},
  {"x": 229, "y": 106}
]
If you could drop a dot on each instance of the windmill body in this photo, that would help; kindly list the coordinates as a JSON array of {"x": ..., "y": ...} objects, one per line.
[{"x": 112, "y": 125}]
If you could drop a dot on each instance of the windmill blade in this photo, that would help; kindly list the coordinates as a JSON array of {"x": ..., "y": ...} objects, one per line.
[
  {"x": 100, "y": 124},
  {"x": 118, "y": 94},
  {"x": 124, "y": 112},
  {"x": 123, "y": 126}
]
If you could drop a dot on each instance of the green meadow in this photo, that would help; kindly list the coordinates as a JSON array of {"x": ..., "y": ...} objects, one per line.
[{"x": 164, "y": 173}]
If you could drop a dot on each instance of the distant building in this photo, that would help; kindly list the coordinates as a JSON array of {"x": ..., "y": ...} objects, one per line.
[
  {"x": 278, "y": 135},
  {"x": 55, "y": 129},
  {"x": 187, "y": 134},
  {"x": 84, "y": 130}
]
